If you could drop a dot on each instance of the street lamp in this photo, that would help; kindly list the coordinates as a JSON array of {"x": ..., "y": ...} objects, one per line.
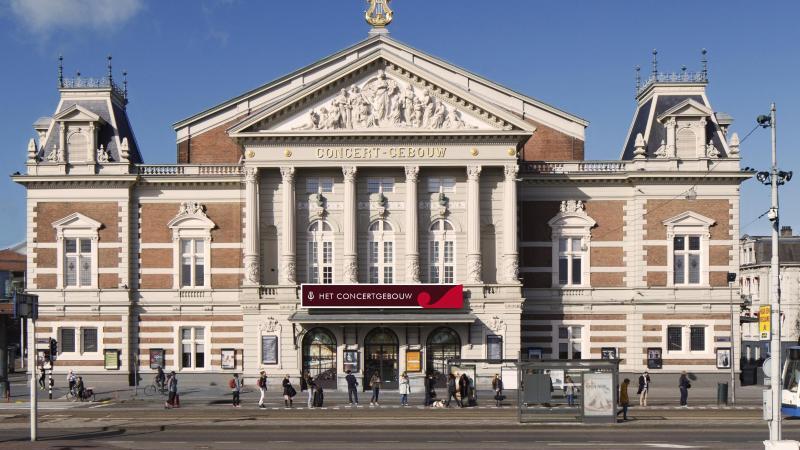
[{"x": 774, "y": 178}]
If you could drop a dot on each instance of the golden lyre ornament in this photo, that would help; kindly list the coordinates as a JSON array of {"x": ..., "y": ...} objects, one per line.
[{"x": 378, "y": 14}]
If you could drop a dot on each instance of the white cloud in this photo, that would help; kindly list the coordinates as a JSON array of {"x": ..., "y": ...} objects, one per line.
[{"x": 44, "y": 15}]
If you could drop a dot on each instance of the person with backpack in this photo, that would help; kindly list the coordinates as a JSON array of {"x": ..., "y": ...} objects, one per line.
[
  {"x": 288, "y": 392},
  {"x": 173, "y": 401},
  {"x": 262, "y": 387},
  {"x": 375, "y": 384},
  {"x": 235, "y": 384},
  {"x": 352, "y": 388},
  {"x": 684, "y": 385}
]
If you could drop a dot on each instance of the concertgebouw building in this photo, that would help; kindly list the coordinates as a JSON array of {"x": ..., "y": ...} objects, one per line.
[{"x": 382, "y": 210}]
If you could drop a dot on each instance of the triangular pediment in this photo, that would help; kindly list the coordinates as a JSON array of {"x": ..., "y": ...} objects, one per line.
[
  {"x": 77, "y": 221},
  {"x": 77, "y": 113},
  {"x": 380, "y": 95},
  {"x": 686, "y": 108},
  {"x": 689, "y": 219}
]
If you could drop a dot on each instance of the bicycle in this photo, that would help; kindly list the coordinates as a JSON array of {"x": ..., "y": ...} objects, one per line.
[
  {"x": 156, "y": 387},
  {"x": 72, "y": 394}
]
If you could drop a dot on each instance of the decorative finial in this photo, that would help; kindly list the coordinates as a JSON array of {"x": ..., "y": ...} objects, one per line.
[
  {"x": 109, "y": 69},
  {"x": 704, "y": 61},
  {"x": 378, "y": 14},
  {"x": 60, "y": 71},
  {"x": 655, "y": 63},
  {"x": 638, "y": 79},
  {"x": 639, "y": 150},
  {"x": 125, "y": 84}
]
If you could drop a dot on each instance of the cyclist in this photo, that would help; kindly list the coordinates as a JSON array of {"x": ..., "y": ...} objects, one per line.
[
  {"x": 79, "y": 387},
  {"x": 160, "y": 379}
]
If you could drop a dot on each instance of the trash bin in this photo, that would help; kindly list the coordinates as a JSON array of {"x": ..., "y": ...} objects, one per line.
[{"x": 722, "y": 393}]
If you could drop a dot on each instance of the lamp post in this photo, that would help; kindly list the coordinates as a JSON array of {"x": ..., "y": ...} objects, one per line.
[
  {"x": 731, "y": 280},
  {"x": 774, "y": 178}
]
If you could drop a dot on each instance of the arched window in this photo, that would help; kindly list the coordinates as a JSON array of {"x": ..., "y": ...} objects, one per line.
[
  {"x": 686, "y": 145},
  {"x": 443, "y": 344},
  {"x": 319, "y": 356},
  {"x": 380, "y": 252},
  {"x": 320, "y": 252},
  {"x": 77, "y": 146},
  {"x": 441, "y": 252}
]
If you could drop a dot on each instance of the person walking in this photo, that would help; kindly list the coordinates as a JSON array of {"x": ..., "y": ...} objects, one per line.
[
  {"x": 375, "y": 384},
  {"x": 644, "y": 387},
  {"x": 463, "y": 389},
  {"x": 262, "y": 387},
  {"x": 288, "y": 392},
  {"x": 160, "y": 379},
  {"x": 683, "y": 386},
  {"x": 71, "y": 382},
  {"x": 405, "y": 389},
  {"x": 79, "y": 388},
  {"x": 624, "y": 400},
  {"x": 172, "y": 390},
  {"x": 319, "y": 395},
  {"x": 569, "y": 390},
  {"x": 352, "y": 388},
  {"x": 497, "y": 387},
  {"x": 451, "y": 391},
  {"x": 307, "y": 384},
  {"x": 236, "y": 388},
  {"x": 430, "y": 391},
  {"x": 42, "y": 374}
]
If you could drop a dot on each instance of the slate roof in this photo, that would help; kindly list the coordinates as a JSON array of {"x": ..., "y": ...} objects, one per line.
[{"x": 788, "y": 249}]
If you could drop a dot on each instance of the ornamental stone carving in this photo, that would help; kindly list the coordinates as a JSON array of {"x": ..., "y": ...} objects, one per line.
[
  {"x": 351, "y": 269},
  {"x": 251, "y": 272},
  {"x": 250, "y": 174},
  {"x": 711, "y": 150},
  {"x": 512, "y": 268},
  {"x": 572, "y": 206},
  {"x": 474, "y": 268},
  {"x": 269, "y": 325},
  {"x": 287, "y": 174},
  {"x": 497, "y": 324},
  {"x": 349, "y": 173},
  {"x": 384, "y": 102},
  {"x": 510, "y": 171},
  {"x": 473, "y": 173},
  {"x": 102, "y": 155},
  {"x": 288, "y": 267},
  {"x": 412, "y": 268},
  {"x": 412, "y": 173},
  {"x": 192, "y": 208}
]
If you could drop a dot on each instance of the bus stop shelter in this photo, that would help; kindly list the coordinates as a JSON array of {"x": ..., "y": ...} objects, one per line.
[{"x": 568, "y": 390}]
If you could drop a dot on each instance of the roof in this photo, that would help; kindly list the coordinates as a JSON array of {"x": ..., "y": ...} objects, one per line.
[
  {"x": 788, "y": 249},
  {"x": 12, "y": 261}
]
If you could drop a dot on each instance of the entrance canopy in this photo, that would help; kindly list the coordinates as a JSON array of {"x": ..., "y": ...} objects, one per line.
[{"x": 378, "y": 317}]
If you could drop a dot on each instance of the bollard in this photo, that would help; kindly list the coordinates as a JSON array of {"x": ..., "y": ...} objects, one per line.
[
  {"x": 50, "y": 384},
  {"x": 722, "y": 394}
]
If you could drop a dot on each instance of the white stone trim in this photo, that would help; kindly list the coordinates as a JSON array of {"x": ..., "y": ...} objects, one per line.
[{"x": 76, "y": 226}]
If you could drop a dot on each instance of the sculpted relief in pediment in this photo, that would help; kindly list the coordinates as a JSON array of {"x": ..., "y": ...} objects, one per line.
[{"x": 383, "y": 102}]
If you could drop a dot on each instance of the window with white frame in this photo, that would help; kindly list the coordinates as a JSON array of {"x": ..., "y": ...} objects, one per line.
[
  {"x": 694, "y": 334},
  {"x": 570, "y": 342},
  {"x": 193, "y": 348},
  {"x": 67, "y": 340},
  {"x": 89, "y": 340},
  {"x": 697, "y": 338},
  {"x": 380, "y": 252},
  {"x": 193, "y": 266},
  {"x": 320, "y": 252},
  {"x": 674, "y": 338},
  {"x": 441, "y": 252},
  {"x": 687, "y": 249},
  {"x": 570, "y": 256},
  {"x": 78, "y": 237},
  {"x": 380, "y": 184},
  {"x": 319, "y": 185},
  {"x": 441, "y": 184}
]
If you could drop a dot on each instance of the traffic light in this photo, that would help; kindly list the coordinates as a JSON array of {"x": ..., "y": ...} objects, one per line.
[{"x": 53, "y": 348}]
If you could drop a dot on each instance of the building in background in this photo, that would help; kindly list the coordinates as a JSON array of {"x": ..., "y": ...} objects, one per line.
[
  {"x": 372, "y": 176},
  {"x": 12, "y": 278}
]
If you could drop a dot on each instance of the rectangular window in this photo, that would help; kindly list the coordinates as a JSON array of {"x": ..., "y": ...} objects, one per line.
[
  {"x": 674, "y": 339},
  {"x": 67, "y": 340},
  {"x": 193, "y": 352},
  {"x": 316, "y": 185},
  {"x": 78, "y": 262},
  {"x": 441, "y": 184},
  {"x": 697, "y": 335},
  {"x": 686, "y": 259},
  {"x": 327, "y": 275},
  {"x": 88, "y": 340},
  {"x": 570, "y": 343},
  {"x": 494, "y": 348},
  {"x": 570, "y": 267},
  {"x": 269, "y": 349},
  {"x": 313, "y": 267},
  {"x": 192, "y": 262},
  {"x": 380, "y": 184}
]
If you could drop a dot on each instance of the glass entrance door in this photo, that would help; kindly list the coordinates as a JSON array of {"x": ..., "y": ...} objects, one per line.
[
  {"x": 443, "y": 345},
  {"x": 319, "y": 357},
  {"x": 381, "y": 355}
]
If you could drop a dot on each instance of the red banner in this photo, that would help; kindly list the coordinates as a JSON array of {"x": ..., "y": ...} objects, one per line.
[{"x": 449, "y": 296}]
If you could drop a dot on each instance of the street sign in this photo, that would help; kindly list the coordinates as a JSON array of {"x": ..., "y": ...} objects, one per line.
[{"x": 764, "y": 318}]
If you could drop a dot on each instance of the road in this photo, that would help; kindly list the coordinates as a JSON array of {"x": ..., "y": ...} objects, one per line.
[{"x": 144, "y": 426}]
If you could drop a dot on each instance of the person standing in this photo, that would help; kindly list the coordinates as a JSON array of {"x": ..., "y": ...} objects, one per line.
[
  {"x": 236, "y": 389},
  {"x": 569, "y": 390},
  {"x": 497, "y": 386},
  {"x": 71, "y": 382},
  {"x": 160, "y": 379},
  {"x": 375, "y": 384},
  {"x": 624, "y": 400},
  {"x": 451, "y": 391},
  {"x": 352, "y": 388},
  {"x": 307, "y": 384},
  {"x": 405, "y": 389},
  {"x": 42, "y": 374},
  {"x": 79, "y": 387},
  {"x": 644, "y": 387},
  {"x": 262, "y": 387},
  {"x": 463, "y": 389},
  {"x": 288, "y": 392},
  {"x": 430, "y": 384},
  {"x": 172, "y": 389},
  {"x": 683, "y": 386}
]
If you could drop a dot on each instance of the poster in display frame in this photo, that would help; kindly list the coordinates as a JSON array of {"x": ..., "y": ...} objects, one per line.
[
  {"x": 351, "y": 361},
  {"x": 723, "y": 357},
  {"x": 413, "y": 361},
  {"x": 654, "y": 360},
  {"x": 535, "y": 353},
  {"x": 608, "y": 353},
  {"x": 228, "y": 359},
  {"x": 156, "y": 358},
  {"x": 111, "y": 359},
  {"x": 598, "y": 395},
  {"x": 269, "y": 349}
]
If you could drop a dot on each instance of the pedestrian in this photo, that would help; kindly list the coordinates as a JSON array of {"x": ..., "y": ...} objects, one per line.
[
  {"x": 160, "y": 379},
  {"x": 352, "y": 388},
  {"x": 236, "y": 388},
  {"x": 71, "y": 382},
  {"x": 644, "y": 387},
  {"x": 288, "y": 392},
  {"x": 319, "y": 395},
  {"x": 569, "y": 390},
  {"x": 41, "y": 377},
  {"x": 430, "y": 391},
  {"x": 172, "y": 390},
  {"x": 405, "y": 389},
  {"x": 463, "y": 389},
  {"x": 307, "y": 384},
  {"x": 497, "y": 387},
  {"x": 451, "y": 391},
  {"x": 624, "y": 400},
  {"x": 80, "y": 388},
  {"x": 262, "y": 387},
  {"x": 684, "y": 385},
  {"x": 375, "y": 385}
]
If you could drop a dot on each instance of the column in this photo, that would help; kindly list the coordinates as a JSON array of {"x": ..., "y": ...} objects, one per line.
[
  {"x": 412, "y": 244},
  {"x": 473, "y": 225},
  {"x": 251, "y": 261},
  {"x": 350, "y": 224},
  {"x": 510, "y": 249},
  {"x": 288, "y": 261}
]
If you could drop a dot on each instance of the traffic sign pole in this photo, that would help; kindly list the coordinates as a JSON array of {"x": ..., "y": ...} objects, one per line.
[{"x": 32, "y": 365}]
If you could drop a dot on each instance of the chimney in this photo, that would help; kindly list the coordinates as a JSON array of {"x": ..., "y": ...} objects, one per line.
[{"x": 786, "y": 231}]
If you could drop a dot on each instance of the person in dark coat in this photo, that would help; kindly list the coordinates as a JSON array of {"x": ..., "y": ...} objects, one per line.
[
  {"x": 288, "y": 392},
  {"x": 451, "y": 391},
  {"x": 319, "y": 396},
  {"x": 497, "y": 387},
  {"x": 463, "y": 389},
  {"x": 644, "y": 388},
  {"x": 430, "y": 393},
  {"x": 352, "y": 388},
  {"x": 683, "y": 386}
]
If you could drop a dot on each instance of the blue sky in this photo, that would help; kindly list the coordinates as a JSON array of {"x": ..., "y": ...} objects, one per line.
[{"x": 184, "y": 56}]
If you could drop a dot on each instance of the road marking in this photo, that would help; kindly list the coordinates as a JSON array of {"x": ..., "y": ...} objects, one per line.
[
  {"x": 227, "y": 442},
  {"x": 387, "y": 442}
]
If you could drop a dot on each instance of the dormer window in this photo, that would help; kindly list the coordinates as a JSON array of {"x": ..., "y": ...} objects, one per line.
[{"x": 686, "y": 135}]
